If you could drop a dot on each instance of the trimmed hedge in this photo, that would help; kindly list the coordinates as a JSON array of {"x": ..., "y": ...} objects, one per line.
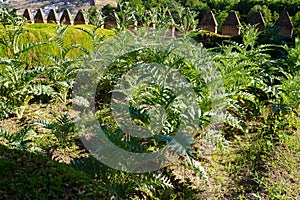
[{"x": 43, "y": 32}]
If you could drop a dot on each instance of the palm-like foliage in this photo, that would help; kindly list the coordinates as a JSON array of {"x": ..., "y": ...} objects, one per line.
[
  {"x": 64, "y": 69},
  {"x": 61, "y": 128},
  {"x": 13, "y": 30},
  {"x": 256, "y": 82},
  {"x": 19, "y": 139},
  {"x": 123, "y": 185},
  {"x": 19, "y": 85}
]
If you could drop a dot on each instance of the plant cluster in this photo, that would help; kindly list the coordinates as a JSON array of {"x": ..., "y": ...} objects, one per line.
[{"x": 255, "y": 85}]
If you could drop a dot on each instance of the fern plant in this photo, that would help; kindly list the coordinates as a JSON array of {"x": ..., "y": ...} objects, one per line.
[
  {"x": 10, "y": 40},
  {"x": 61, "y": 128},
  {"x": 18, "y": 85},
  {"x": 19, "y": 139},
  {"x": 255, "y": 81},
  {"x": 123, "y": 185},
  {"x": 64, "y": 69}
]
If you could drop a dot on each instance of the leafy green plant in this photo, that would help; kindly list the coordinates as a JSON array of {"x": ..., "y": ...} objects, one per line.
[
  {"x": 97, "y": 20},
  {"x": 95, "y": 16},
  {"x": 61, "y": 128},
  {"x": 124, "y": 16},
  {"x": 123, "y": 185},
  {"x": 10, "y": 40},
  {"x": 161, "y": 17},
  {"x": 145, "y": 98},
  {"x": 18, "y": 82},
  {"x": 94, "y": 35},
  {"x": 8, "y": 15},
  {"x": 64, "y": 69},
  {"x": 19, "y": 139},
  {"x": 186, "y": 19},
  {"x": 19, "y": 85}
]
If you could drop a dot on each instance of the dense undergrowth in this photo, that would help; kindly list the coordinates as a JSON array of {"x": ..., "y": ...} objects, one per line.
[{"x": 253, "y": 155}]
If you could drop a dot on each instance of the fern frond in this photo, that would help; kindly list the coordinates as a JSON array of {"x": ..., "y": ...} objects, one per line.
[
  {"x": 67, "y": 49},
  {"x": 86, "y": 31},
  {"x": 45, "y": 124},
  {"x": 54, "y": 58},
  {"x": 25, "y": 48},
  {"x": 17, "y": 139}
]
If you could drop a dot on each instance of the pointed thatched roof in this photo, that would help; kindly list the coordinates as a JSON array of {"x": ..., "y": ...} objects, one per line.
[
  {"x": 257, "y": 18},
  {"x": 110, "y": 21},
  {"x": 209, "y": 19},
  {"x": 80, "y": 18},
  {"x": 284, "y": 21},
  {"x": 28, "y": 15},
  {"x": 66, "y": 17},
  {"x": 232, "y": 20},
  {"x": 40, "y": 16},
  {"x": 52, "y": 17}
]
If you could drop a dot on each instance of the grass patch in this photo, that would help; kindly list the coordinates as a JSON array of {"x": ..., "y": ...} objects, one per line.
[{"x": 26, "y": 175}]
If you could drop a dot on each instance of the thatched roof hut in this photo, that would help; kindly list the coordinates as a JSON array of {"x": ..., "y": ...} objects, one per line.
[
  {"x": 66, "y": 18},
  {"x": 53, "y": 17},
  {"x": 231, "y": 25},
  {"x": 81, "y": 18},
  {"x": 285, "y": 23},
  {"x": 258, "y": 19},
  {"x": 110, "y": 21},
  {"x": 40, "y": 17},
  {"x": 209, "y": 22},
  {"x": 28, "y": 15}
]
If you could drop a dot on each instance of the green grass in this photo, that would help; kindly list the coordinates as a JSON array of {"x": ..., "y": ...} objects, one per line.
[{"x": 26, "y": 175}]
